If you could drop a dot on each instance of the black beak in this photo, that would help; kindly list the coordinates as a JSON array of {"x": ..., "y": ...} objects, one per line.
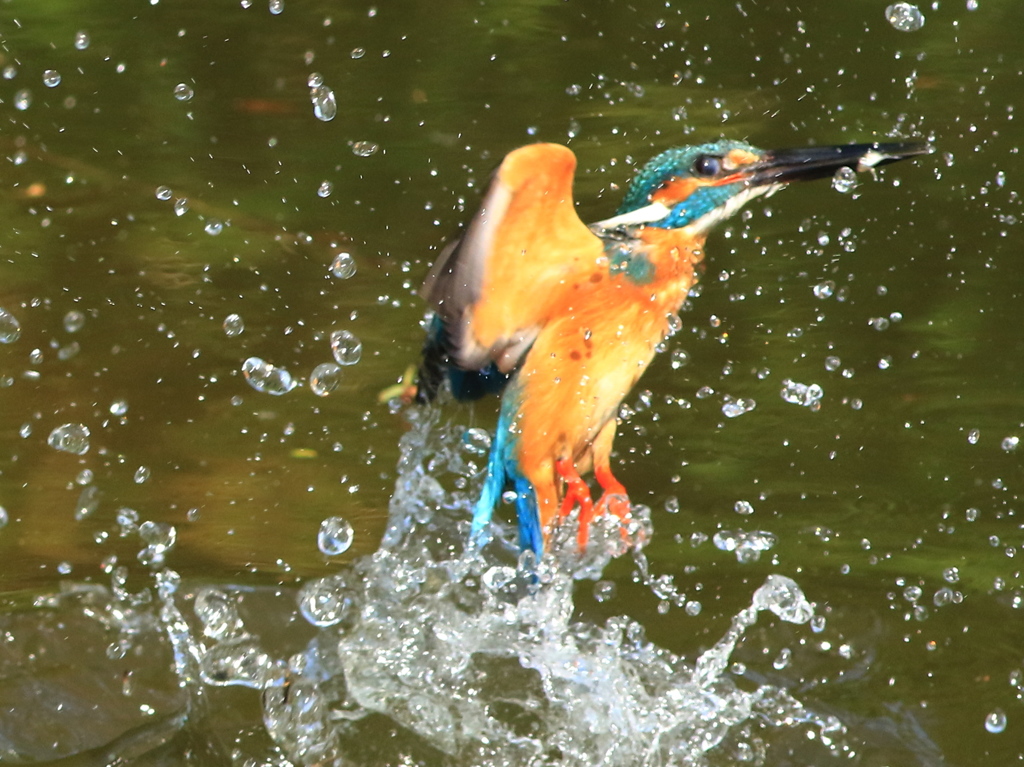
[{"x": 781, "y": 166}]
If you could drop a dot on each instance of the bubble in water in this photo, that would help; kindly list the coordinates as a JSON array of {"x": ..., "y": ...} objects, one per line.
[
  {"x": 364, "y": 148},
  {"x": 81, "y": 40},
  {"x": 905, "y": 17},
  {"x": 315, "y": 80},
  {"x": 276, "y": 6},
  {"x": 10, "y": 328},
  {"x": 325, "y": 189},
  {"x": 214, "y": 227},
  {"x": 51, "y": 78},
  {"x": 4, "y": 517},
  {"x": 807, "y": 395},
  {"x": 973, "y": 436},
  {"x": 335, "y": 536},
  {"x": 1010, "y": 443},
  {"x": 995, "y": 721},
  {"x": 357, "y": 53},
  {"x": 267, "y": 378},
  {"x": 70, "y": 438},
  {"x": 325, "y": 601},
  {"x": 163, "y": 193},
  {"x": 234, "y": 325},
  {"x": 73, "y": 321},
  {"x": 141, "y": 475},
  {"x": 347, "y": 349},
  {"x": 844, "y": 180},
  {"x": 118, "y": 407},
  {"x": 181, "y": 206},
  {"x": 10, "y": 72},
  {"x": 343, "y": 266},
  {"x": 23, "y": 99},
  {"x": 183, "y": 92},
  {"x": 325, "y": 378},
  {"x": 325, "y": 106}
]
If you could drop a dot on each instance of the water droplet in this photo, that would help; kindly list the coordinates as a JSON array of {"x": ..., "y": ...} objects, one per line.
[
  {"x": 81, "y": 40},
  {"x": 119, "y": 407},
  {"x": 163, "y": 193},
  {"x": 347, "y": 349},
  {"x": 782, "y": 659},
  {"x": 218, "y": 613},
  {"x": 325, "y": 379},
  {"x": 995, "y": 721},
  {"x": 325, "y": 601},
  {"x": 10, "y": 328},
  {"x": 23, "y": 99},
  {"x": 335, "y": 536},
  {"x": 73, "y": 321},
  {"x": 233, "y": 325},
  {"x": 733, "y": 408},
  {"x": 88, "y": 502},
  {"x": 604, "y": 590},
  {"x": 905, "y": 17},
  {"x": 159, "y": 538},
  {"x": 357, "y": 53},
  {"x": 51, "y": 78},
  {"x": 973, "y": 436},
  {"x": 832, "y": 363},
  {"x": 325, "y": 107},
  {"x": 844, "y": 180},
  {"x": 343, "y": 266},
  {"x": 824, "y": 289},
  {"x": 181, "y": 206},
  {"x": 476, "y": 441},
  {"x": 364, "y": 148},
  {"x": 743, "y": 507},
  {"x": 807, "y": 395},
  {"x": 213, "y": 227},
  {"x": 325, "y": 189},
  {"x": 141, "y": 475},
  {"x": 70, "y": 438},
  {"x": 679, "y": 358},
  {"x": 183, "y": 92},
  {"x": 276, "y": 6},
  {"x": 267, "y": 378}
]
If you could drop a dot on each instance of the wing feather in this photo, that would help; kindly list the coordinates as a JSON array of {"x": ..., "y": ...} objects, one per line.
[{"x": 497, "y": 286}]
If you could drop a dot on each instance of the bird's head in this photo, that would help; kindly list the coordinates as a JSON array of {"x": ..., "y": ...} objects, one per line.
[{"x": 698, "y": 186}]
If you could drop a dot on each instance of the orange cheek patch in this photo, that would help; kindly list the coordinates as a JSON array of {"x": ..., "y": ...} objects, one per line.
[{"x": 675, "y": 190}]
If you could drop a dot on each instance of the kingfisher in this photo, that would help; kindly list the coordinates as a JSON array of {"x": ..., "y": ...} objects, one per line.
[{"x": 562, "y": 318}]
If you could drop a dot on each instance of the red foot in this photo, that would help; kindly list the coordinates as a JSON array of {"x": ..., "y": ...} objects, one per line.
[
  {"x": 614, "y": 500},
  {"x": 576, "y": 492}
]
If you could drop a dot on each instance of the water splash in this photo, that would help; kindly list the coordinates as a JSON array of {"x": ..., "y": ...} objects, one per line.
[{"x": 479, "y": 653}]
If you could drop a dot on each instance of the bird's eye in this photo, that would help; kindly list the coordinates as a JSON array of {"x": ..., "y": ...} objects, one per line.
[{"x": 707, "y": 165}]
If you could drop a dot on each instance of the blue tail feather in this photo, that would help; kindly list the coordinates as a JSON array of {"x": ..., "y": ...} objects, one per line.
[{"x": 503, "y": 471}]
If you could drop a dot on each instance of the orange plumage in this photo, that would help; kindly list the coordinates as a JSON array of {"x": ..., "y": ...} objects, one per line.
[{"x": 567, "y": 317}]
